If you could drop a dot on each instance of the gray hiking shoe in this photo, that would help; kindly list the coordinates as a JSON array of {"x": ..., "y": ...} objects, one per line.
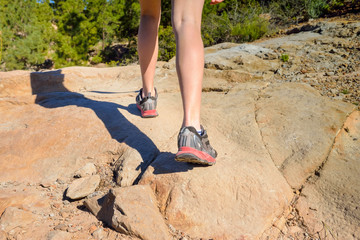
[
  {"x": 147, "y": 105},
  {"x": 195, "y": 148}
]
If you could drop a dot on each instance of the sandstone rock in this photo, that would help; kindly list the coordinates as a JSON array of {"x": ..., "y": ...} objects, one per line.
[
  {"x": 59, "y": 235},
  {"x": 244, "y": 57},
  {"x": 87, "y": 170},
  {"x": 27, "y": 200},
  {"x": 298, "y": 136},
  {"x": 99, "y": 234},
  {"x": 95, "y": 204},
  {"x": 331, "y": 198},
  {"x": 82, "y": 187},
  {"x": 45, "y": 146},
  {"x": 130, "y": 165},
  {"x": 14, "y": 217},
  {"x": 225, "y": 201},
  {"x": 132, "y": 210},
  {"x": 55, "y": 122},
  {"x": 3, "y": 235}
]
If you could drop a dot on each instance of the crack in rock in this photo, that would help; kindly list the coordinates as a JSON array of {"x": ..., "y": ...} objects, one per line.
[{"x": 317, "y": 173}]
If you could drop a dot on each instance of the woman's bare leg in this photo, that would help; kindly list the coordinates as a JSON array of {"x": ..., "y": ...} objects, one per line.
[
  {"x": 186, "y": 20},
  {"x": 148, "y": 42}
]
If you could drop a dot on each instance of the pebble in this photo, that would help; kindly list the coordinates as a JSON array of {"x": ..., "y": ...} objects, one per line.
[
  {"x": 61, "y": 180},
  {"x": 82, "y": 187},
  {"x": 61, "y": 227},
  {"x": 99, "y": 234},
  {"x": 87, "y": 170}
]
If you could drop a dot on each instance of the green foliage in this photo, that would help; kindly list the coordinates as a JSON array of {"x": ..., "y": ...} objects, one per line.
[
  {"x": 104, "y": 18},
  {"x": 130, "y": 20},
  {"x": 345, "y": 91},
  {"x": 289, "y": 11},
  {"x": 96, "y": 59},
  {"x": 69, "y": 32},
  {"x": 236, "y": 21},
  {"x": 315, "y": 8},
  {"x": 167, "y": 46},
  {"x": 250, "y": 30},
  {"x": 286, "y": 11},
  {"x": 26, "y": 33},
  {"x": 284, "y": 57}
]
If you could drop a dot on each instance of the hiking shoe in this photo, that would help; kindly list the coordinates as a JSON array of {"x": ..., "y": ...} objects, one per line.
[
  {"x": 147, "y": 105},
  {"x": 194, "y": 148}
]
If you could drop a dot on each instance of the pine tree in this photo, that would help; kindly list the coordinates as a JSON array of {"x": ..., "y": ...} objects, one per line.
[{"x": 26, "y": 33}]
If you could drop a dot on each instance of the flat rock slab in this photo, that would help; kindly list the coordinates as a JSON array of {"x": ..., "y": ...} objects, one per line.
[
  {"x": 14, "y": 217},
  {"x": 238, "y": 197},
  {"x": 330, "y": 201},
  {"x": 246, "y": 57},
  {"x": 131, "y": 210},
  {"x": 298, "y": 127},
  {"x": 27, "y": 200},
  {"x": 45, "y": 143},
  {"x": 58, "y": 235},
  {"x": 82, "y": 187}
]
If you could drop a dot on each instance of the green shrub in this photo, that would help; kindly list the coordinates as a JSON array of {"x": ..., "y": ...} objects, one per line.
[
  {"x": 250, "y": 30},
  {"x": 315, "y": 8},
  {"x": 284, "y": 57},
  {"x": 238, "y": 21},
  {"x": 345, "y": 91},
  {"x": 96, "y": 60},
  {"x": 167, "y": 45}
]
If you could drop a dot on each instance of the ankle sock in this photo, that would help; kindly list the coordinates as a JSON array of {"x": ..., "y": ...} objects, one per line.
[{"x": 200, "y": 132}]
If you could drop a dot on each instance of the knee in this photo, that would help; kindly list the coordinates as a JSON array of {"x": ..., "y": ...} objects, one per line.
[
  {"x": 150, "y": 18},
  {"x": 185, "y": 23}
]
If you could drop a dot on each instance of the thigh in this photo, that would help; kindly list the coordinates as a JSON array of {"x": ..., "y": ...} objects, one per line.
[{"x": 150, "y": 8}]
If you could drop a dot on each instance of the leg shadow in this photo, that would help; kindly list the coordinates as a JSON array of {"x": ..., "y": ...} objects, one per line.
[{"x": 51, "y": 93}]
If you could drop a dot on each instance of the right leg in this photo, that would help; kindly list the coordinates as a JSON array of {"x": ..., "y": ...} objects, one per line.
[{"x": 186, "y": 21}]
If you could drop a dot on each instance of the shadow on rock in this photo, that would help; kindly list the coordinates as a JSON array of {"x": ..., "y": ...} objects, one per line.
[
  {"x": 165, "y": 163},
  {"x": 51, "y": 93}
]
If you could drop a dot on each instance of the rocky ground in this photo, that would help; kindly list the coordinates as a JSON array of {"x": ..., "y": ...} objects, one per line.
[{"x": 78, "y": 162}]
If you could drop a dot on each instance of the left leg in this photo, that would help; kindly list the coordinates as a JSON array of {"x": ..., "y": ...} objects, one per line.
[
  {"x": 148, "y": 52},
  {"x": 148, "y": 42}
]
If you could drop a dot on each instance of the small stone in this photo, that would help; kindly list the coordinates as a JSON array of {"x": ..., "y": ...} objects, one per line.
[
  {"x": 61, "y": 180},
  {"x": 94, "y": 194},
  {"x": 92, "y": 229},
  {"x": 172, "y": 228},
  {"x": 66, "y": 202},
  {"x": 87, "y": 170},
  {"x": 61, "y": 227},
  {"x": 56, "y": 205},
  {"x": 82, "y": 187},
  {"x": 64, "y": 214},
  {"x": 99, "y": 234}
]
